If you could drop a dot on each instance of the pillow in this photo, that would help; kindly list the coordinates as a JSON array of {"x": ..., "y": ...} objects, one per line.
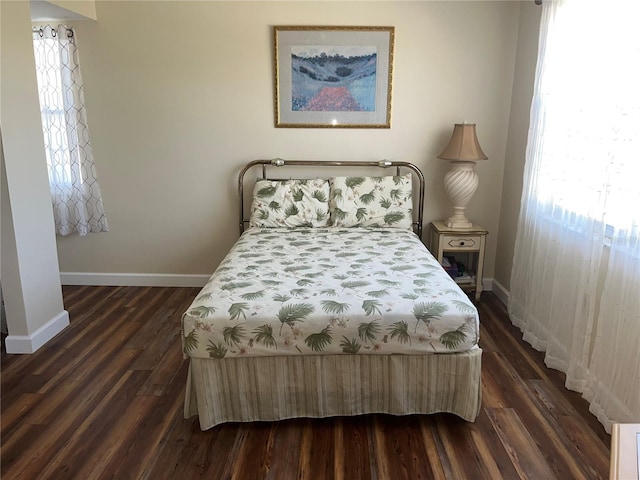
[
  {"x": 371, "y": 201},
  {"x": 290, "y": 203}
]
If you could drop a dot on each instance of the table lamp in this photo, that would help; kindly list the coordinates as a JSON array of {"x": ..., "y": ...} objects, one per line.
[{"x": 461, "y": 181}]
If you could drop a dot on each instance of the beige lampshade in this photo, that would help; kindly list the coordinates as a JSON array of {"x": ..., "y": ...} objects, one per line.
[{"x": 463, "y": 145}]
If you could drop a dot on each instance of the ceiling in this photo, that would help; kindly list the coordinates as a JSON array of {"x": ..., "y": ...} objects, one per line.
[{"x": 42, "y": 11}]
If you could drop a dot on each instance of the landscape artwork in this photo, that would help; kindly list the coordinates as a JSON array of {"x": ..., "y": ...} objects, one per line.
[{"x": 333, "y": 77}]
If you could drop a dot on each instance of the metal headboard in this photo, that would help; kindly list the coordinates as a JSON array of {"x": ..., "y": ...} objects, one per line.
[{"x": 279, "y": 162}]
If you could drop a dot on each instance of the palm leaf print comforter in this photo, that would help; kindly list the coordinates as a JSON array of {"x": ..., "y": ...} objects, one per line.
[{"x": 311, "y": 291}]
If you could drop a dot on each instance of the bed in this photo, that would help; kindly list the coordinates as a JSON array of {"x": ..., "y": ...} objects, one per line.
[{"x": 330, "y": 305}]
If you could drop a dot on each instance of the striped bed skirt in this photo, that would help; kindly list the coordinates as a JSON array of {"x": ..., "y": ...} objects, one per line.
[{"x": 276, "y": 388}]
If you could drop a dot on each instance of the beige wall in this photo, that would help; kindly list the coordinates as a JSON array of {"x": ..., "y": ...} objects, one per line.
[
  {"x": 527, "y": 52},
  {"x": 179, "y": 97}
]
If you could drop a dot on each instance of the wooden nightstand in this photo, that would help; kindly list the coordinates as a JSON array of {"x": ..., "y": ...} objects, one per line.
[{"x": 470, "y": 241}]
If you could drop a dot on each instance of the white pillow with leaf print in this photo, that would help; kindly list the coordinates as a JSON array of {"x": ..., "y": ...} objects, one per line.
[
  {"x": 371, "y": 201},
  {"x": 290, "y": 203}
]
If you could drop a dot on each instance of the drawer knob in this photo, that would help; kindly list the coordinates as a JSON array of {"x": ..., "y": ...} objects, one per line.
[{"x": 462, "y": 244}]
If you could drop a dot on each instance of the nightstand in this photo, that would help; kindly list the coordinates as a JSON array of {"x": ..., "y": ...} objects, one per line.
[{"x": 470, "y": 242}]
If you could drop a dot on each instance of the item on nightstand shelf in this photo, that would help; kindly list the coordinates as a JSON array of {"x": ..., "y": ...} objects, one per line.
[
  {"x": 450, "y": 266},
  {"x": 464, "y": 278},
  {"x": 454, "y": 269}
]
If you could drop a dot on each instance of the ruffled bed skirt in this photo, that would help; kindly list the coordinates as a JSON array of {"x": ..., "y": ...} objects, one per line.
[{"x": 276, "y": 388}]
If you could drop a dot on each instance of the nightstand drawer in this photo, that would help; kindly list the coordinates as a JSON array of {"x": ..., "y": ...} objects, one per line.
[{"x": 461, "y": 242}]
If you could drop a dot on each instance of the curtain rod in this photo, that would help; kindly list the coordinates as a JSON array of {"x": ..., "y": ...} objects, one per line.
[{"x": 54, "y": 32}]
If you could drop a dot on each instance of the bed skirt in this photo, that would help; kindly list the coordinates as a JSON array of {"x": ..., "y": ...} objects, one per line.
[{"x": 276, "y": 388}]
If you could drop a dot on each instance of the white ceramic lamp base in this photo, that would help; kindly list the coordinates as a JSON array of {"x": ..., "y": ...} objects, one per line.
[{"x": 460, "y": 183}]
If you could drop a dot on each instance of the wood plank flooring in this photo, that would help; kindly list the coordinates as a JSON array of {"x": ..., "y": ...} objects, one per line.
[{"x": 104, "y": 400}]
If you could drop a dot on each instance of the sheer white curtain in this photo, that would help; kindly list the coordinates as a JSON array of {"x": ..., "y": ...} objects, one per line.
[
  {"x": 575, "y": 287},
  {"x": 77, "y": 202}
]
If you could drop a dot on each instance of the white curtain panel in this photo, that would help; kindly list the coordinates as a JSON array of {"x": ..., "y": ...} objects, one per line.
[
  {"x": 77, "y": 202},
  {"x": 613, "y": 387},
  {"x": 575, "y": 286}
]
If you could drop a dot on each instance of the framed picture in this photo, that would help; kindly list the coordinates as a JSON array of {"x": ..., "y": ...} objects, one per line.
[{"x": 333, "y": 77}]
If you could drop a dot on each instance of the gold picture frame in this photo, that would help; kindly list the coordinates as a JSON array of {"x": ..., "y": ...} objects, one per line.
[{"x": 333, "y": 77}]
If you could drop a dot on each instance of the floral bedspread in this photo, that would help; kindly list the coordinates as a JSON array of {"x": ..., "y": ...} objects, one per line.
[{"x": 311, "y": 291}]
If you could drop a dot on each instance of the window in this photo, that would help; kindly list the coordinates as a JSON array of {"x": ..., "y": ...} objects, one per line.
[
  {"x": 576, "y": 266},
  {"x": 75, "y": 192},
  {"x": 589, "y": 108}
]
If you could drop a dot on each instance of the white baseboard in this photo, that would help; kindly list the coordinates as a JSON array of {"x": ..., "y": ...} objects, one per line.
[
  {"x": 133, "y": 279},
  {"x": 169, "y": 280},
  {"x": 161, "y": 280},
  {"x": 31, "y": 343},
  {"x": 501, "y": 292}
]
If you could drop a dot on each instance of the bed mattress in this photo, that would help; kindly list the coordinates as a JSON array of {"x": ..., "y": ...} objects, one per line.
[{"x": 315, "y": 291}]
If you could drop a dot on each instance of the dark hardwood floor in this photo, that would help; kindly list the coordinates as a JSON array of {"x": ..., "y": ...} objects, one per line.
[{"x": 104, "y": 400}]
